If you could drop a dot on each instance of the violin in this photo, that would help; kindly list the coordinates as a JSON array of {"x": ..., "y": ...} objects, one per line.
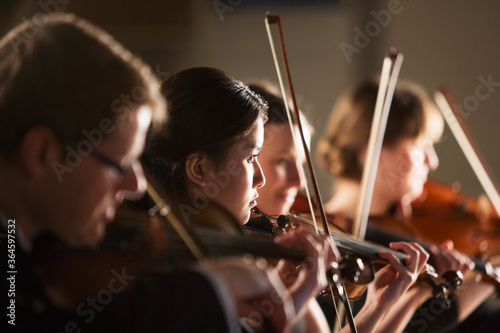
[
  {"x": 136, "y": 244},
  {"x": 355, "y": 253},
  {"x": 441, "y": 213},
  {"x": 474, "y": 230}
]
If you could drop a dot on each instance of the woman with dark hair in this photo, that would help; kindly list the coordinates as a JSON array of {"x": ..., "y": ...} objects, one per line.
[
  {"x": 414, "y": 126},
  {"x": 208, "y": 149},
  {"x": 208, "y": 152}
]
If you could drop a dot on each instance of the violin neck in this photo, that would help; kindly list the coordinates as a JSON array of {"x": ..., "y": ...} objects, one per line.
[
  {"x": 220, "y": 244},
  {"x": 362, "y": 248},
  {"x": 384, "y": 237}
]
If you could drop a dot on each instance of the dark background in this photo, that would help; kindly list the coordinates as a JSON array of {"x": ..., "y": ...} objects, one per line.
[{"x": 444, "y": 42}]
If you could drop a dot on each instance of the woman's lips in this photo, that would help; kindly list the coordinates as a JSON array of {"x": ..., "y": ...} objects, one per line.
[{"x": 253, "y": 203}]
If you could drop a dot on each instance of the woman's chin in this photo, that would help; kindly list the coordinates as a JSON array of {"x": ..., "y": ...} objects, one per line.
[{"x": 244, "y": 218}]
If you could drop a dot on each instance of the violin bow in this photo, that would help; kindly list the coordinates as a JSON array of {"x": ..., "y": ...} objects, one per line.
[
  {"x": 387, "y": 85},
  {"x": 451, "y": 113},
  {"x": 161, "y": 207},
  {"x": 273, "y": 19}
]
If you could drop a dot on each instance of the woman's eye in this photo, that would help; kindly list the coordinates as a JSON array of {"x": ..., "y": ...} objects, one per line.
[
  {"x": 252, "y": 158},
  {"x": 284, "y": 161},
  {"x": 417, "y": 156}
]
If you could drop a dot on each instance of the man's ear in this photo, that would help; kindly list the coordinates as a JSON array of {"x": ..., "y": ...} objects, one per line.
[
  {"x": 39, "y": 149},
  {"x": 197, "y": 167}
]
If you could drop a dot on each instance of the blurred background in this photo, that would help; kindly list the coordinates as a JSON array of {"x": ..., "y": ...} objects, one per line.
[{"x": 330, "y": 45}]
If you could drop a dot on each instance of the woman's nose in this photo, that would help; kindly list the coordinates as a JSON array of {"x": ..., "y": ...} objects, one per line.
[
  {"x": 259, "y": 179},
  {"x": 295, "y": 176},
  {"x": 431, "y": 157}
]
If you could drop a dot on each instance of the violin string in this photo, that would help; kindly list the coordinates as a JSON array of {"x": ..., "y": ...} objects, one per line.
[
  {"x": 305, "y": 220},
  {"x": 337, "y": 310},
  {"x": 343, "y": 239},
  {"x": 348, "y": 238}
]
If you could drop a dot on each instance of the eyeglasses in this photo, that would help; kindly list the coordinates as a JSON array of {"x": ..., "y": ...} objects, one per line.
[{"x": 119, "y": 170}]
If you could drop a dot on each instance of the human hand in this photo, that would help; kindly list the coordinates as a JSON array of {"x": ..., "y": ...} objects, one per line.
[
  {"x": 446, "y": 258},
  {"x": 260, "y": 298},
  {"x": 393, "y": 280},
  {"x": 309, "y": 278},
  {"x": 390, "y": 284}
]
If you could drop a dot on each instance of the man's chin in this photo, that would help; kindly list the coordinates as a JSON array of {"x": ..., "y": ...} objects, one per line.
[
  {"x": 95, "y": 237},
  {"x": 99, "y": 235}
]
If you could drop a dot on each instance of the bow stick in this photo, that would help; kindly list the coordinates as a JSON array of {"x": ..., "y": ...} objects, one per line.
[
  {"x": 272, "y": 19},
  {"x": 387, "y": 84},
  {"x": 388, "y": 79},
  {"x": 451, "y": 113}
]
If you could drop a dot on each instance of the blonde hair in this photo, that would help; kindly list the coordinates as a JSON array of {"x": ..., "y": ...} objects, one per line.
[{"x": 349, "y": 125}]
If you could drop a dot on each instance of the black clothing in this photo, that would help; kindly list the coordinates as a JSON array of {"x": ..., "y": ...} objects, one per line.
[
  {"x": 433, "y": 317},
  {"x": 166, "y": 300},
  {"x": 485, "y": 319}
]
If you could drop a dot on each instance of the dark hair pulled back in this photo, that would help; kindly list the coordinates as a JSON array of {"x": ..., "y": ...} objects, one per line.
[{"x": 208, "y": 111}]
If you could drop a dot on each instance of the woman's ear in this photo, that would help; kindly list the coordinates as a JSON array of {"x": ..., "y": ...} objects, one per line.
[
  {"x": 39, "y": 150},
  {"x": 198, "y": 167}
]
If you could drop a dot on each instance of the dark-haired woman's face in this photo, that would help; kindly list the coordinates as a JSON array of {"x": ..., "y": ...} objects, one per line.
[{"x": 235, "y": 181}]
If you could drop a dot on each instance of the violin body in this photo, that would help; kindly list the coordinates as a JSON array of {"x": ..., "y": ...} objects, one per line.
[
  {"x": 360, "y": 259},
  {"x": 103, "y": 289},
  {"x": 442, "y": 213},
  {"x": 355, "y": 267},
  {"x": 135, "y": 245}
]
